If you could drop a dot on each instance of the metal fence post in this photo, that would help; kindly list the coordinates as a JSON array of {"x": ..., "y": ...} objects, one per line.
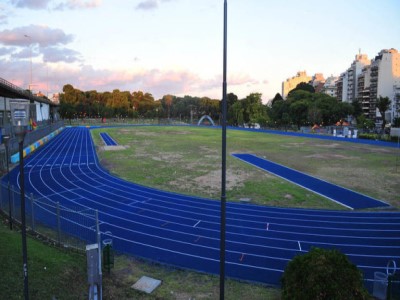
[
  {"x": 100, "y": 260},
  {"x": 1, "y": 197},
  {"x": 58, "y": 223},
  {"x": 32, "y": 212},
  {"x": 12, "y": 201}
]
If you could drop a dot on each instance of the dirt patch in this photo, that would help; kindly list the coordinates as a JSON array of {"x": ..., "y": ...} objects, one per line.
[
  {"x": 113, "y": 148},
  {"x": 331, "y": 145},
  {"x": 329, "y": 156},
  {"x": 143, "y": 133},
  {"x": 169, "y": 157},
  {"x": 292, "y": 145},
  {"x": 210, "y": 183}
]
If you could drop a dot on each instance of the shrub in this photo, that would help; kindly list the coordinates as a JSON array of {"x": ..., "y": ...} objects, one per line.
[{"x": 322, "y": 274}]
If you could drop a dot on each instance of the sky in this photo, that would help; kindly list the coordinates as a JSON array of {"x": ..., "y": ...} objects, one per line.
[{"x": 176, "y": 46}]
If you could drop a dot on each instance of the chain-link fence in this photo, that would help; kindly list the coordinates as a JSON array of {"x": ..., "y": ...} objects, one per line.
[{"x": 72, "y": 226}]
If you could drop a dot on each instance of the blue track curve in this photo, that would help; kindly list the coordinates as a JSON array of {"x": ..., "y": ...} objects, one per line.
[{"x": 184, "y": 231}]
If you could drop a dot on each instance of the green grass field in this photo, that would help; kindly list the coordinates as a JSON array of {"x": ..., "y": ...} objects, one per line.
[{"x": 188, "y": 160}]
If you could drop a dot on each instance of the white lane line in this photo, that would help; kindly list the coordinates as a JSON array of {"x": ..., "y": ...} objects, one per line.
[
  {"x": 299, "y": 245},
  {"x": 197, "y": 224}
]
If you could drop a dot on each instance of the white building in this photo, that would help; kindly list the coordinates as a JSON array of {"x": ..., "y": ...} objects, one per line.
[
  {"x": 329, "y": 87},
  {"x": 348, "y": 80},
  {"x": 385, "y": 77}
]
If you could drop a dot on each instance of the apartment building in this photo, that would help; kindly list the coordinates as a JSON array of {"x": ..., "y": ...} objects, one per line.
[
  {"x": 292, "y": 82},
  {"x": 329, "y": 87},
  {"x": 384, "y": 79},
  {"x": 364, "y": 81},
  {"x": 395, "y": 110},
  {"x": 347, "y": 87}
]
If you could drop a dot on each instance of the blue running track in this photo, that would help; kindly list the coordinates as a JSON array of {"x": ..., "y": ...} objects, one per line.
[
  {"x": 184, "y": 231},
  {"x": 107, "y": 139},
  {"x": 343, "y": 196}
]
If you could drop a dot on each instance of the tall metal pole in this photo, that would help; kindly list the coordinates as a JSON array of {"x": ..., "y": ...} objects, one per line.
[
  {"x": 6, "y": 139},
  {"x": 223, "y": 175},
  {"x": 23, "y": 223},
  {"x": 30, "y": 47}
]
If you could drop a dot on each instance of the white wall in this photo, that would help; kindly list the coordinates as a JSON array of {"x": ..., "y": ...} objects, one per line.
[{"x": 42, "y": 111}]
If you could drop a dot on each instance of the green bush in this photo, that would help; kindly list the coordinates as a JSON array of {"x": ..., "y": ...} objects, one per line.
[
  {"x": 322, "y": 274},
  {"x": 368, "y": 136}
]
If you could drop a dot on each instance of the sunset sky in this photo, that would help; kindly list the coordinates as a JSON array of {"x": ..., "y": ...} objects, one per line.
[{"x": 175, "y": 46}]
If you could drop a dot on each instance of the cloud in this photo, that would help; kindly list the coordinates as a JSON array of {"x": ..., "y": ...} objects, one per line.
[
  {"x": 31, "y": 4},
  {"x": 3, "y": 19},
  {"x": 78, "y": 4},
  {"x": 147, "y": 5},
  {"x": 34, "y": 34},
  {"x": 55, "y": 54},
  {"x": 56, "y": 5},
  {"x": 7, "y": 50}
]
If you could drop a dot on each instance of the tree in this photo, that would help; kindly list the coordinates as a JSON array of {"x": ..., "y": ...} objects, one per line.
[
  {"x": 168, "y": 102},
  {"x": 364, "y": 123},
  {"x": 383, "y": 104},
  {"x": 277, "y": 97},
  {"x": 302, "y": 86},
  {"x": 322, "y": 274}
]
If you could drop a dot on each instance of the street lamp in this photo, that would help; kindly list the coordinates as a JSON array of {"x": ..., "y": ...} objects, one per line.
[
  {"x": 20, "y": 121},
  {"x": 6, "y": 139},
  {"x": 223, "y": 172},
  {"x": 30, "y": 47}
]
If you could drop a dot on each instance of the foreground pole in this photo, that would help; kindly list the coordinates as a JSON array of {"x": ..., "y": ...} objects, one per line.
[
  {"x": 223, "y": 175},
  {"x": 23, "y": 223}
]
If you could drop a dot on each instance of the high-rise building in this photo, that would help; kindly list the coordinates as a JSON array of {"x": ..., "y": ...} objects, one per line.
[
  {"x": 291, "y": 83},
  {"x": 363, "y": 96},
  {"x": 395, "y": 110},
  {"x": 385, "y": 77},
  {"x": 341, "y": 87},
  {"x": 348, "y": 81}
]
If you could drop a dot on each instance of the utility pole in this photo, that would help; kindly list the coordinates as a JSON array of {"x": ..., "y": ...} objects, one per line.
[{"x": 223, "y": 175}]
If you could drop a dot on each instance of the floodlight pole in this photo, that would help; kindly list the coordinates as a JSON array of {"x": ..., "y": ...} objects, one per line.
[
  {"x": 21, "y": 136},
  {"x": 20, "y": 117},
  {"x": 223, "y": 173},
  {"x": 30, "y": 47},
  {"x": 6, "y": 139}
]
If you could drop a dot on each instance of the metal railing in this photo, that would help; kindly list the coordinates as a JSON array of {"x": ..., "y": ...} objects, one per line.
[
  {"x": 31, "y": 137},
  {"x": 70, "y": 226}
]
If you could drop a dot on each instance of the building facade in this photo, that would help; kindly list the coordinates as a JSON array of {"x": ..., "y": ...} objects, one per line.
[
  {"x": 381, "y": 79},
  {"x": 292, "y": 82},
  {"x": 329, "y": 87},
  {"x": 348, "y": 80}
]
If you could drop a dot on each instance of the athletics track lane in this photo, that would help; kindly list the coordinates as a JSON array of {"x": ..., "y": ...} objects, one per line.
[
  {"x": 184, "y": 231},
  {"x": 107, "y": 139},
  {"x": 338, "y": 194}
]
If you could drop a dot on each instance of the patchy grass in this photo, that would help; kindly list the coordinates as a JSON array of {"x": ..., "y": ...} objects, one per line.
[{"x": 188, "y": 160}]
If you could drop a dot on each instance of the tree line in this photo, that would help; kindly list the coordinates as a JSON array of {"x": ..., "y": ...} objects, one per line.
[{"x": 303, "y": 107}]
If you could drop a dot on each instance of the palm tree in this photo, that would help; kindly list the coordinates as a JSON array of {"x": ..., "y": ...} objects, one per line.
[{"x": 383, "y": 104}]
